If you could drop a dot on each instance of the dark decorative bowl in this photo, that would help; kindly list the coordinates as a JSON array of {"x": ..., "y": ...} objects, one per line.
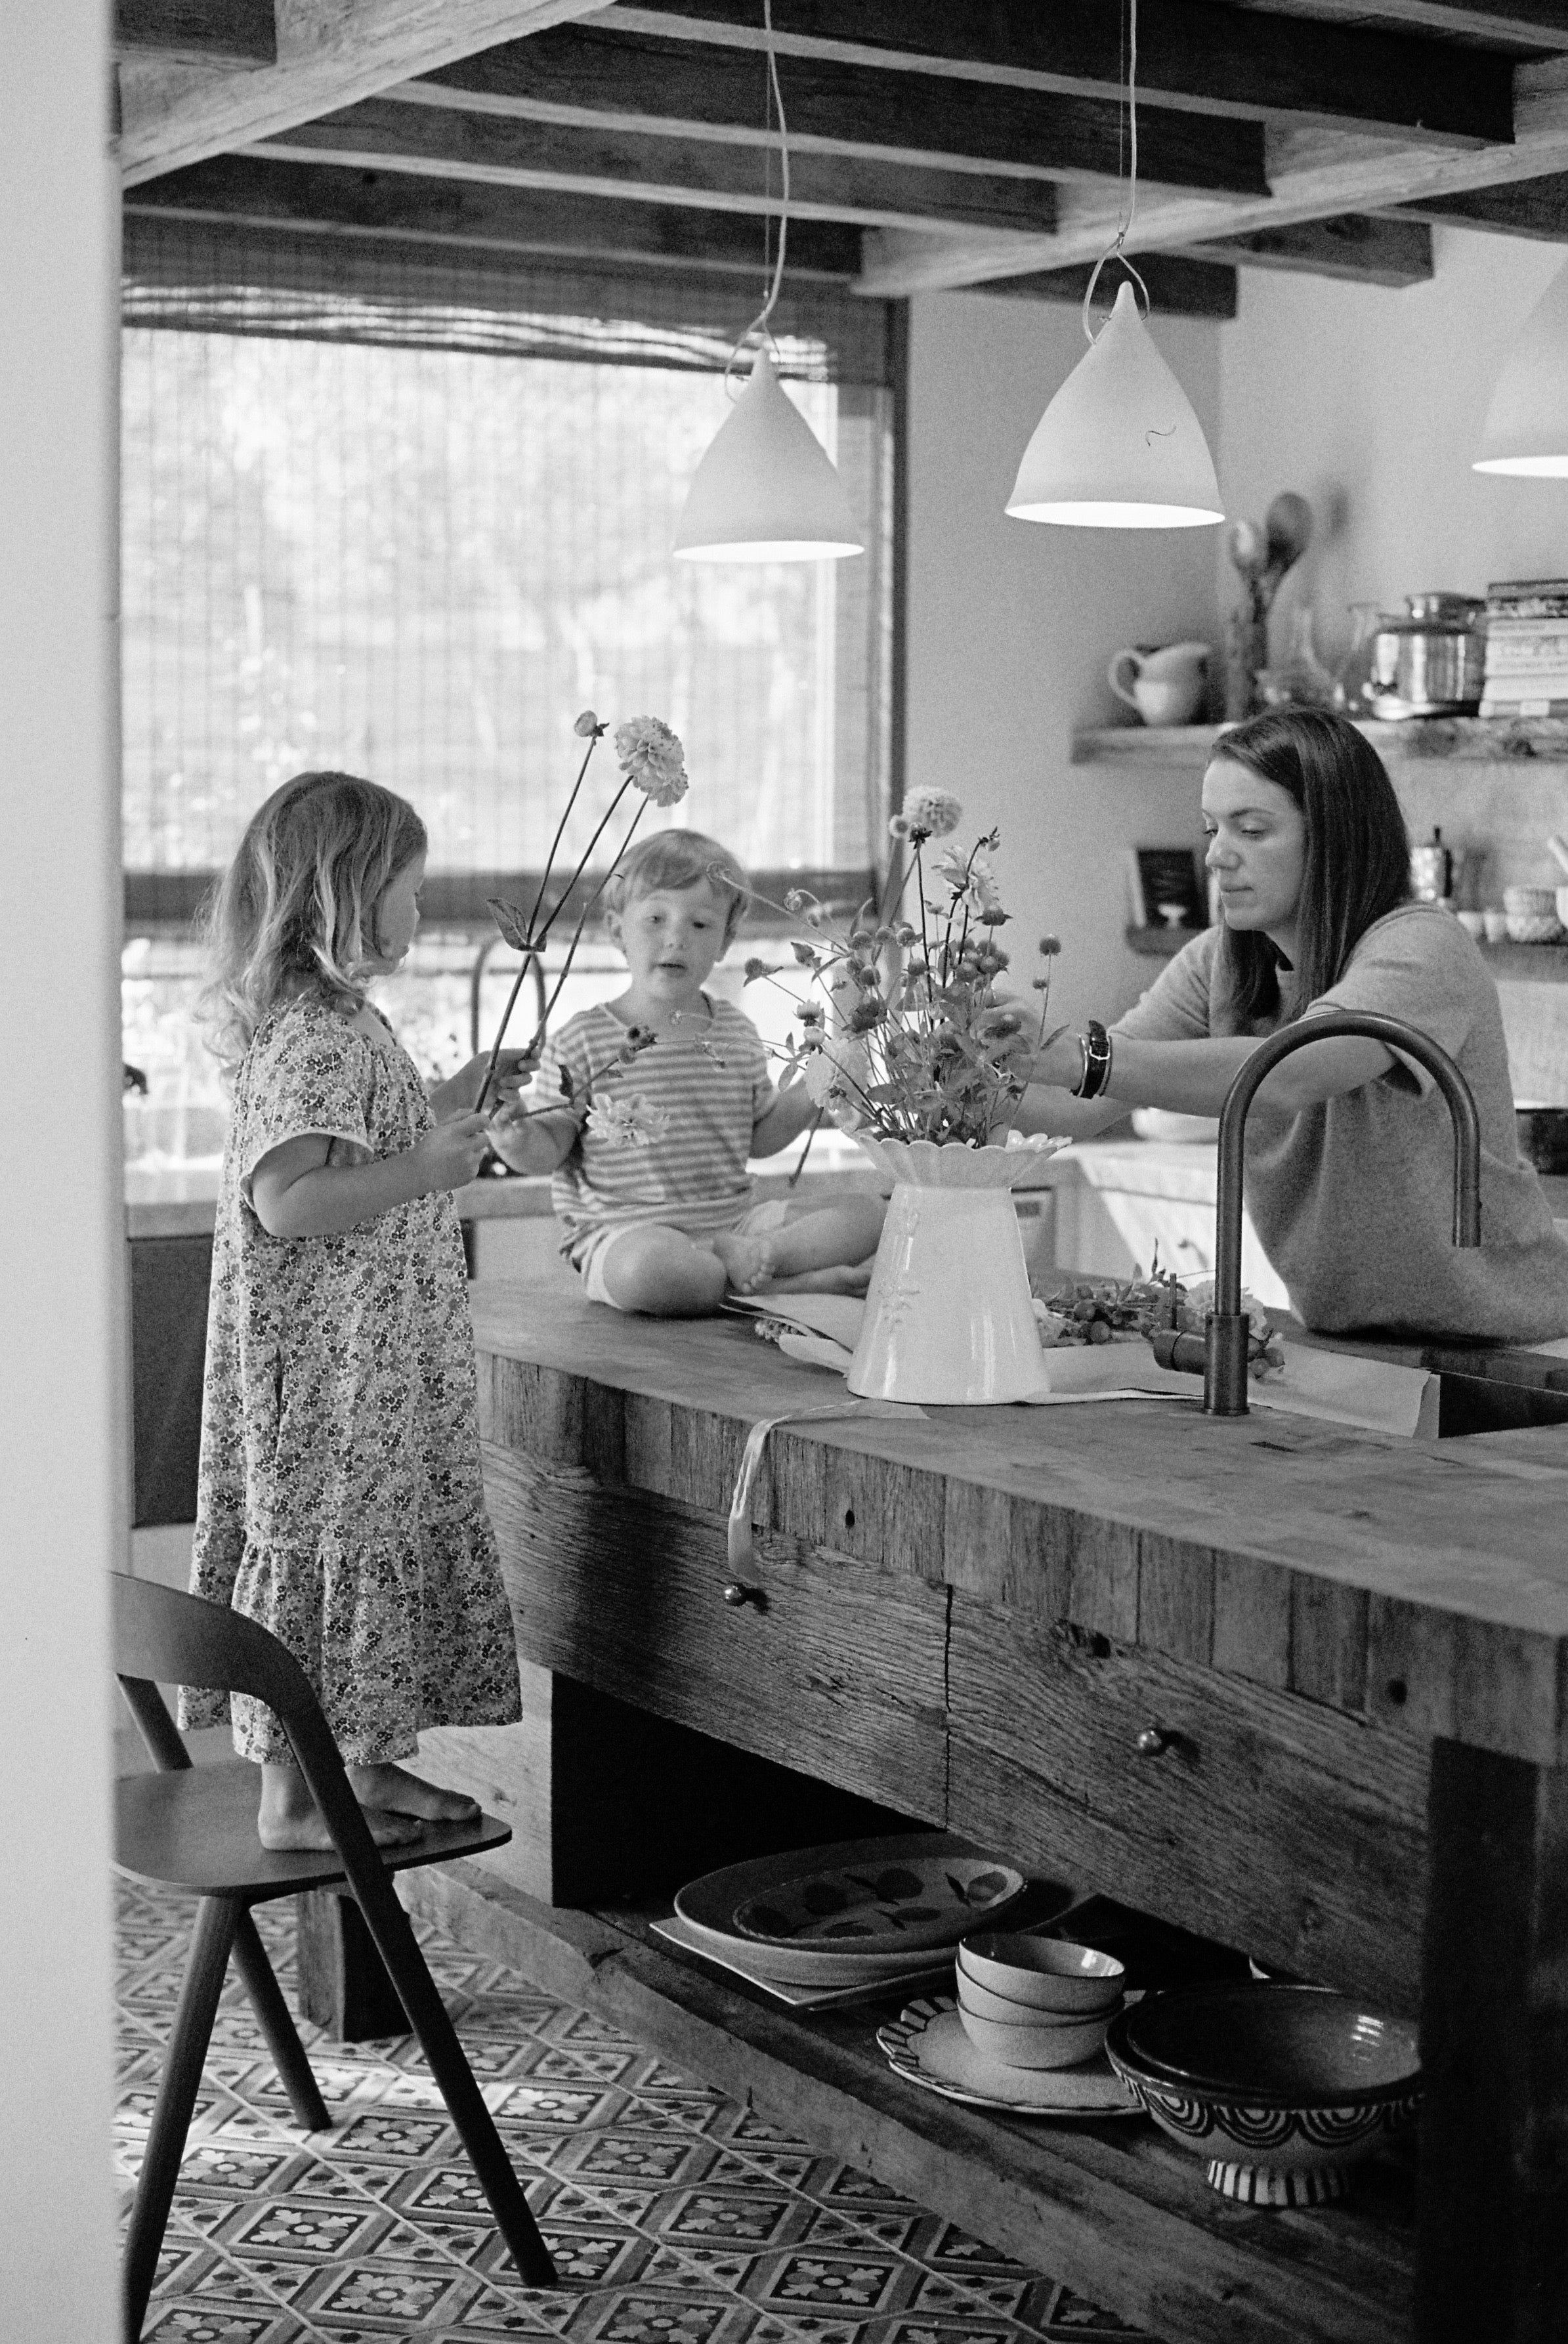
[{"x": 1280, "y": 2087}]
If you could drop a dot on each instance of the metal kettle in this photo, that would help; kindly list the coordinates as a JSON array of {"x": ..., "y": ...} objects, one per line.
[{"x": 1431, "y": 662}]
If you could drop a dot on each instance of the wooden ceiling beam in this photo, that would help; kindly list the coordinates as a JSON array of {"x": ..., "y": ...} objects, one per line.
[
  {"x": 1522, "y": 25},
  {"x": 329, "y": 53},
  {"x": 253, "y": 191},
  {"x": 1533, "y": 208},
  {"x": 1313, "y": 175},
  {"x": 243, "y": 33},
  {"x": 382, "y": 133},
  {"x": 587, "y": 76},
  {"x": 1179, "y": 286},
  {"x": 1355, "y": 247},
  {"x": 1192, "y": 56}
]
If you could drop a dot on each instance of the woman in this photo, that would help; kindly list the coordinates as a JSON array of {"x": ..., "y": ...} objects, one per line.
[{"x": 1350, "y": 1149}]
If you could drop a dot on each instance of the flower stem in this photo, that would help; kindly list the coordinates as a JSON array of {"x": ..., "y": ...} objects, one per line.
[
  {"x": 560, "y": 833},
  {"x": 583, "y": 865},
  {"x": 528, "y": 957},
  {"x": 587, "y": 908}
]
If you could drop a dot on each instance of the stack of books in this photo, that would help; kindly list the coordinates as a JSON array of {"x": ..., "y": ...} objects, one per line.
[{"x": 1526, "y": 648}]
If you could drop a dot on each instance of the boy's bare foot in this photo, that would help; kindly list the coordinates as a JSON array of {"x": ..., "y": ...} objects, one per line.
[
  {"x": 290, "y": 1820},
  {"x": 838, "y": 1277},
  {"x": 748, "y": 1260},
  {"x": 390, "y": 1790}
]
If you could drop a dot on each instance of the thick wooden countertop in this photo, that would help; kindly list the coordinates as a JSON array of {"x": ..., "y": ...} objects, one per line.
[{"x": 1421, "y": 1586}]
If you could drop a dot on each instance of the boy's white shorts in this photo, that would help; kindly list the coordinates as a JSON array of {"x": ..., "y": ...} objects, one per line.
[{"x": 749, "y": 1222}]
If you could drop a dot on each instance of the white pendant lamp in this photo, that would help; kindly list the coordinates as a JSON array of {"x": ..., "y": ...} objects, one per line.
[
  {"x": 1527, "y": 427},
  {"x": 1119, "y": 446},
  {"x": 767, "y": 490}
]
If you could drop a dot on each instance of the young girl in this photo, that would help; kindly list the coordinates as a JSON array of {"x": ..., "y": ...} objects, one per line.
[
  {"x": 667, "y": 1226},
  {"x": 1350, "y": 1152},
  {"x": 339, "y": 1501}
]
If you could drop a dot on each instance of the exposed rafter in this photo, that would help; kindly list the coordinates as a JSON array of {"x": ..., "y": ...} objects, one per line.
[
  {"x": 1354, "y": 246},
  {"x": 448, "y": 142},
  {"x": 1192, "y": 56},
  {"x": 194, "y": 32},
  {"x": 591, "y": 77},
  {"x": 329, "y": 53},
  {"x": 256, "y": 191},
  {"x": 1177, "y": 287},
  {"x": 1313, "y": 176},
  {"x": 1534, "y": 208}
]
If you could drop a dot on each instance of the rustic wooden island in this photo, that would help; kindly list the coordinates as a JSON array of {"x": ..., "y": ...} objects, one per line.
[{"x": 1298, "y": 1688}]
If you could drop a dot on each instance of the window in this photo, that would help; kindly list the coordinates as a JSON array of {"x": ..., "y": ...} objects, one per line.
[{"x": 410, "y": 521}]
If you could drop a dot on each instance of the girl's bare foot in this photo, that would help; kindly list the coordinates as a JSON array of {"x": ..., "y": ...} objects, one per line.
[
  {"x": 838, "y": 1277},
  {"x": 748, "y": 1260},
  {"x": 392, "y": 1791},
  {"x": 290, "y": 1818}
]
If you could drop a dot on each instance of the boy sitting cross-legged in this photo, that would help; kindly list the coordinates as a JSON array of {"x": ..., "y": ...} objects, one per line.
[{"x": 667, "y": 1223}]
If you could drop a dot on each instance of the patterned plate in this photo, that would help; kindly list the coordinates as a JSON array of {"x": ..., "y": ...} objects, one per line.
[
  {"x": 920, "y": 1900},
  {"x": 927, "y": 2045}
]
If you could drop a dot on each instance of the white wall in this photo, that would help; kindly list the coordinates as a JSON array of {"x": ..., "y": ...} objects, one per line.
[
  {"x": 1369, "y": 402},
  {"x": 63, "y": 1485},
  {"x": 1011, "y": 624}
]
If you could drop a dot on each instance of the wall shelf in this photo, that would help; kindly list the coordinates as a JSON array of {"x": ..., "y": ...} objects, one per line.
[{"x": 1490, "y": 741}]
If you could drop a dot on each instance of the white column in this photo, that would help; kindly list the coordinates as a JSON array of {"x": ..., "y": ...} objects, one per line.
[{"x": 63, "y": 1479}]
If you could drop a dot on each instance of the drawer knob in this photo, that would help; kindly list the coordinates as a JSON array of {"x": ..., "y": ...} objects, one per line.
[
  {"x": 735, "y": 1594},
  {"x": 1151, "y": 1742}
]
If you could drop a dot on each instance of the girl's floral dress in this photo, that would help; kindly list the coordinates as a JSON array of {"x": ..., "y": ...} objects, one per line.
[{"x": 339, "y": 1501}]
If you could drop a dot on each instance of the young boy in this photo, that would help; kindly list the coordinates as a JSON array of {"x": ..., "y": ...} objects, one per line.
[{"x": 668, "y": 1225}]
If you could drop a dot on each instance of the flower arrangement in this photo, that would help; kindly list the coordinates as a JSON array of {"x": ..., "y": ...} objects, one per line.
[
  {"x": 908, "y": 1039},
  {"x": 651, "y": 762},
  {"x": 1123, "y": 1311}
]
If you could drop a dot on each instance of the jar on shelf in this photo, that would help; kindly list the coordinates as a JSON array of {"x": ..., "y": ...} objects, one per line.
[
  {"x": 1355, "y": 674},
  {"x": 1301, "y": 681}
]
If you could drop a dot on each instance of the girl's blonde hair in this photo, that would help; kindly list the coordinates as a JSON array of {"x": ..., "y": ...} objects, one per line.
[
  {"x": 678, "y": 859},
  {"x": 298, "y": 904}
]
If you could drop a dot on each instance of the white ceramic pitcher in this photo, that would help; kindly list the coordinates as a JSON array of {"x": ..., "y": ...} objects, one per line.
[{"x": 1167, "y": 685}]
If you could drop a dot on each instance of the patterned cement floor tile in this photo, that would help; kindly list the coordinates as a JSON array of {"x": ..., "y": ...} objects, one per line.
[{"x": 676, "y": 2215}]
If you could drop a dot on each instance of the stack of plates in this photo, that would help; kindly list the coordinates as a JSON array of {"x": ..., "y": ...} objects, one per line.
[{"x": 863, "y": 1913}]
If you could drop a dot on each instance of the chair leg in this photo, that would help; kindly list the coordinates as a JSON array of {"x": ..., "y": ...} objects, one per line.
[
  {"x": 398, "y": 1947},
  {"x": 217, "y": 1917},
  {"x": 282, "y": 2037}
]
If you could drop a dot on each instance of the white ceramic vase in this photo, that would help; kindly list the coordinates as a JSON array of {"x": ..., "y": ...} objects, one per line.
[{"x": 949, "y": 1320}]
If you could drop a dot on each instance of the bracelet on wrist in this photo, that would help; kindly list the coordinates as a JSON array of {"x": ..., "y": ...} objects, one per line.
[{"x": 1094, "y": 1044}]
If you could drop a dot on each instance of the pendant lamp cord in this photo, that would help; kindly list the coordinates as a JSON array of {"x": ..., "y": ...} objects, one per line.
[
  {"x": 760, "y": 321},
  {"x": 1117, "y": 249}
]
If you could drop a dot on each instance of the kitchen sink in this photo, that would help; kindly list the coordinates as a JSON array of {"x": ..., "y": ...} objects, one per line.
[{"x": 1469, "y": 1403}]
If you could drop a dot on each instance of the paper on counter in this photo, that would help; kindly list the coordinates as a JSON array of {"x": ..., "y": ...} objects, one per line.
[{"x": 1339, "y": 1389}]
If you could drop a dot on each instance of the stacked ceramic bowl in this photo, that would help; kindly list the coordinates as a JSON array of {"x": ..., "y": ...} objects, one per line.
[
  {"x": 1531, "y": 914},
  {"x": 1036, "y": 2002}
]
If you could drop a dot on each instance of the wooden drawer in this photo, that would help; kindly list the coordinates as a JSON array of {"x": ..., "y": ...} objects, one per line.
[
  {"x": 835, "y": 1667},
  {"x": 1274, "y": 1823}
]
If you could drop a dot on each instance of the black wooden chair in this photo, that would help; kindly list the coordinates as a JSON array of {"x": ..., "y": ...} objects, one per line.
[{"x": 194, "y": 1828}]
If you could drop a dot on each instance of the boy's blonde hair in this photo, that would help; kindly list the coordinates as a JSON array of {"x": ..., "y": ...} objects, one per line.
[
  {"x": 299, "y": 900},
  {"x": 678, "y": 859}
]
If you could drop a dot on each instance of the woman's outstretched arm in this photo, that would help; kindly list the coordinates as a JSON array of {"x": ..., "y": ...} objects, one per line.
[{"x": 1189, "y": 1077}]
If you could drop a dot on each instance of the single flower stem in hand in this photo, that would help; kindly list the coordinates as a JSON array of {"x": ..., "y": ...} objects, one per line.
[{"x": 529, "y": 958}]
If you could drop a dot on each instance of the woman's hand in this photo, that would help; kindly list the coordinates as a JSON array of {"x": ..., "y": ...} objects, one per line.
[
  {"x": 449, "y": 1155},
  {"x": 513, "y": 1072},
  {"x": 1060, "y": 1063}
]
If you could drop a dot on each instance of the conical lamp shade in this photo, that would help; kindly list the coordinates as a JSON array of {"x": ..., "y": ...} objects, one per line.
[
  {"x": 1527, "y": 427},
  {"x": 765, "y": 490},
  {"x": 1119, "y": 446}
]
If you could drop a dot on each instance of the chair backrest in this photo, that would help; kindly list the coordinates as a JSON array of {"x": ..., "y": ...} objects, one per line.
[{"x": 159, "y": 1635}]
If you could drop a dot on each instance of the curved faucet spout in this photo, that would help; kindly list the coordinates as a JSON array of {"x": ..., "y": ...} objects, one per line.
[{"x": 1225, "y": 1368}]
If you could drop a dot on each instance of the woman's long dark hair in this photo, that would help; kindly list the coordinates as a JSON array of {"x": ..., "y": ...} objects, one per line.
[{"x": 1357, "y": 855}]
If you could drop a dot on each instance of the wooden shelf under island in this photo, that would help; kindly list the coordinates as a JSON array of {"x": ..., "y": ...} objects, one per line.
[{"x": 1537, "y": 964}]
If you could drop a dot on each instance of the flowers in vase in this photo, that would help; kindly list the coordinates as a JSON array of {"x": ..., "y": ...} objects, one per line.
[
  {"x": 909, "y": 1038},
  {"x": 653, "y": 764}
]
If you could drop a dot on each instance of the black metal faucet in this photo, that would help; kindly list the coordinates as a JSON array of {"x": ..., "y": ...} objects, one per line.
[{"x": 1224, "y": 1341}]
